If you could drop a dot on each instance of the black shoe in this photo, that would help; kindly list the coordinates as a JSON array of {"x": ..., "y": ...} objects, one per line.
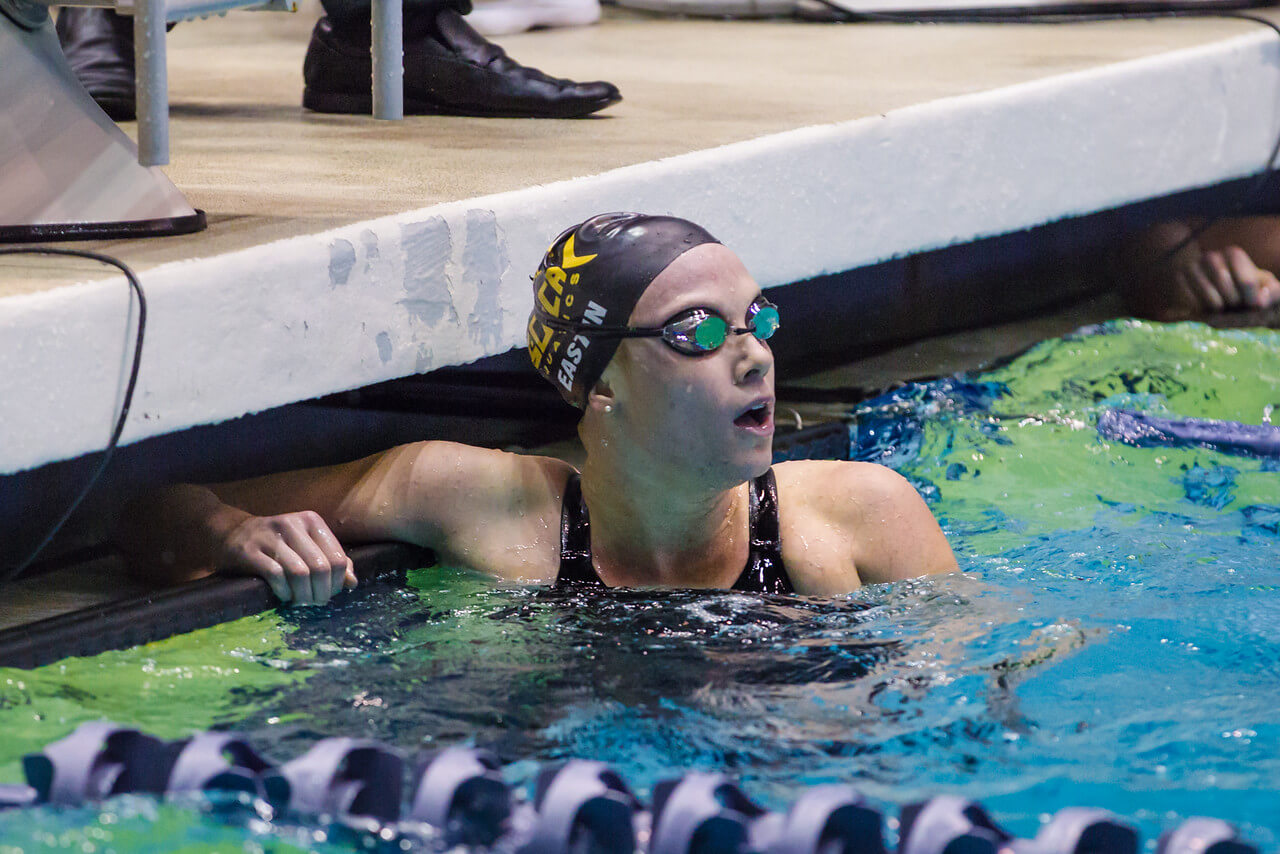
[
  {"x": 448, "y": 69},
  {"x": 98, "y": 44}
]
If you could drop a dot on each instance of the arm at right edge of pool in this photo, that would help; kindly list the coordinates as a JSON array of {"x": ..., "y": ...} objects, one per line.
[{"x": 282, "y": 527}]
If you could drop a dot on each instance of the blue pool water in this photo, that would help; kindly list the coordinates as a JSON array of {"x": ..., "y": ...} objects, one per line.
[{"x": 1112, "y": 643}]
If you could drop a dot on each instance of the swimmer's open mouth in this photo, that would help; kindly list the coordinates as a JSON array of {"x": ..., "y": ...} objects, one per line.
[{"x": 759, "y": 414}]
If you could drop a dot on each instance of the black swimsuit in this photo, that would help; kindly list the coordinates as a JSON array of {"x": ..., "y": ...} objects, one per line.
[{"x": 764, "y": 572}]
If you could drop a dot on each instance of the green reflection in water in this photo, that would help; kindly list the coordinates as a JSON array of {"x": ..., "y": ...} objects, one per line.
[{"x": 170, "y": 688}]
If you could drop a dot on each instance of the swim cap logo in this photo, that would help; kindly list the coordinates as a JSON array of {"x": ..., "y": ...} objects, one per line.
[
  {"x": 568, "y": 260},
  {"x": 539, "y": 337},
  {"x": 555, "y": 302},
  {"x": 554, "y": 279}
]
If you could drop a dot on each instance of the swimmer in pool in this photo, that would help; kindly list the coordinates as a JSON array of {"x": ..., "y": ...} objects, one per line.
[{"x": 658, "y": 333}]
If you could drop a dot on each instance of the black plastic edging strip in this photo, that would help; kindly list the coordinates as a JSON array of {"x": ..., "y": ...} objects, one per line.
[
  {"x": 121, "y": 230},
  {"x": 165, "y": 613}
]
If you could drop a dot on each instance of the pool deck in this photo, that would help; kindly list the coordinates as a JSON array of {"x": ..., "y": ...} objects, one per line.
[{"x": 344, "y": 251}]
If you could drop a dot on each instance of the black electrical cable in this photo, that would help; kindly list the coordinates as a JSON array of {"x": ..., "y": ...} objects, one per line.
[
  {"x": 1060, "y": 14},
  {"x": 21, "y": 567}
]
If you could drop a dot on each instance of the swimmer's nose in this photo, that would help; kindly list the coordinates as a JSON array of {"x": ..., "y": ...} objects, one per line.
[{"x": 755, "y": 359}]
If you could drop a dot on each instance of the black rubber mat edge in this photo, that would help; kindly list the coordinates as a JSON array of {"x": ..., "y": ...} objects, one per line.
[
  {"x": 51, "y": 232},
  {"x": 165, "y": 613}
]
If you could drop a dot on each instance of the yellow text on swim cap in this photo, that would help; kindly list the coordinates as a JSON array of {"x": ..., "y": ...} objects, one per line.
[
  {"x": 552, "y": 279},
  {"x": 539, "y": 336}
]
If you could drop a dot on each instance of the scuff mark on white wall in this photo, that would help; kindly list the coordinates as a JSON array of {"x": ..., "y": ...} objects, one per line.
[
  {"x": 425, "y": 247},
  {"x": 484, "y": 261},
  {"x": 342, "y": 257}
]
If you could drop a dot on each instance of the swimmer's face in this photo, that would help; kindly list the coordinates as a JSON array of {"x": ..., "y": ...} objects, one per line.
[{"x": 708, "y": 416}]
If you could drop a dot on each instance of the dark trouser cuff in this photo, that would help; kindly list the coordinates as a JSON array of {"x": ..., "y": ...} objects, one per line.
[{"x": 350, "y": 18}]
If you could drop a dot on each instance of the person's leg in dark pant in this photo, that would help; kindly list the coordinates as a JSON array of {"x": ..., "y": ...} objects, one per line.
[
  {"x": 98, "y": 44},
  {"x": 353, "y": 15}
]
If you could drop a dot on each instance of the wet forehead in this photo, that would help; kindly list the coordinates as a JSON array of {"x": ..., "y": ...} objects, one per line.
[{"x": 710, "y": 275}]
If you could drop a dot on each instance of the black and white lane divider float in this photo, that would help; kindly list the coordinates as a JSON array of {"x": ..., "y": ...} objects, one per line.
[{"x": 458, "y": 797}]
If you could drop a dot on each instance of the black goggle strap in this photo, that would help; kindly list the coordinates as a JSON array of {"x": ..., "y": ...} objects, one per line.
[{"x": 596, "y": 331}]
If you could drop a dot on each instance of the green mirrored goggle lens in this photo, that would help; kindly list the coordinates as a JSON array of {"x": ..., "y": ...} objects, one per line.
[
  {"x": 710, "y": 333},
  {"x": 766, "y": 322}
]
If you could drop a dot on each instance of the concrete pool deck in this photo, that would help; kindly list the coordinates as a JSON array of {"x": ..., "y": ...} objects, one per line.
[{"x": 343, "y": 251}]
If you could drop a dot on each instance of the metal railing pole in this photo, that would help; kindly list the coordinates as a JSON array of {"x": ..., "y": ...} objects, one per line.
[
  {"x": 150, "y": 59},
  {"x": 387, "y": 22}
]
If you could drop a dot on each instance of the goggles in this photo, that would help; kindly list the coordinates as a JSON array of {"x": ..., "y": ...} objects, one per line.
[{"x": 694, "y": 332}]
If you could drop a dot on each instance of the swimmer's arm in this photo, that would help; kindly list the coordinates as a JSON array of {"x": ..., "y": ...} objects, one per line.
[
  {"x": 287, "y": 527},
  {"x": 898, "y": 537},
  {"x": 283, "y": 527}
]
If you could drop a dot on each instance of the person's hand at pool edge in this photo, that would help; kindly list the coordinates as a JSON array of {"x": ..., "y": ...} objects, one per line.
[
  {"x": 186, "y": 532},
  {"x": 1230, "y": 267},
  {"x": 287, "y": 528},
  {"x": 295, "y": 553}
]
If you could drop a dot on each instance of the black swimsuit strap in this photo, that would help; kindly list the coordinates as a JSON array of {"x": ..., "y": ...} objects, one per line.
[
  {"x": 764, "y": 572},
  {"x": 575, "y": 538}
]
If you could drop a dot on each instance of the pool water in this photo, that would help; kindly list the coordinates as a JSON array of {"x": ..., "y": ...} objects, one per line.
[{"x": 1114, "y": 642}]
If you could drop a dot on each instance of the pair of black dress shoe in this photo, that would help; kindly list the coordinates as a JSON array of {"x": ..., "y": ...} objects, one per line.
[{"x": 449, "y": 68}]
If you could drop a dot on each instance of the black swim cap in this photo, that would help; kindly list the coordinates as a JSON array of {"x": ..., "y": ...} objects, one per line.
[{"x": 593, "y": 275}]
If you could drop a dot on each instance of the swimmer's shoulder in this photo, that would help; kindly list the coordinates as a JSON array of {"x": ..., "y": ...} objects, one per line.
[
  {"x": 821, "y": 511},
  {"x": 484, "y": 504},
  {"x": 870, "y": 510},
  {"x": 469, "y": 479},
  {"x": 840, "y": 490}
]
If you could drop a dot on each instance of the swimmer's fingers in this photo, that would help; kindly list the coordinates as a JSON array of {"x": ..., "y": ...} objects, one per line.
[
  {"x": 283, "y": 551},
  {"x": 1222, "y": 269},
  {"x": 342, "y": 572},
  {"x": 1184, "y": 301},
  {"x": 297, "y": 574},
  {"x": 312, "y": 580},
  {"x": 248, "y": 550},
  {"x": 1205, "y": 297},
  {"x": 1258, "y": 287},
  {"x": 1268, "y": 290}
]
